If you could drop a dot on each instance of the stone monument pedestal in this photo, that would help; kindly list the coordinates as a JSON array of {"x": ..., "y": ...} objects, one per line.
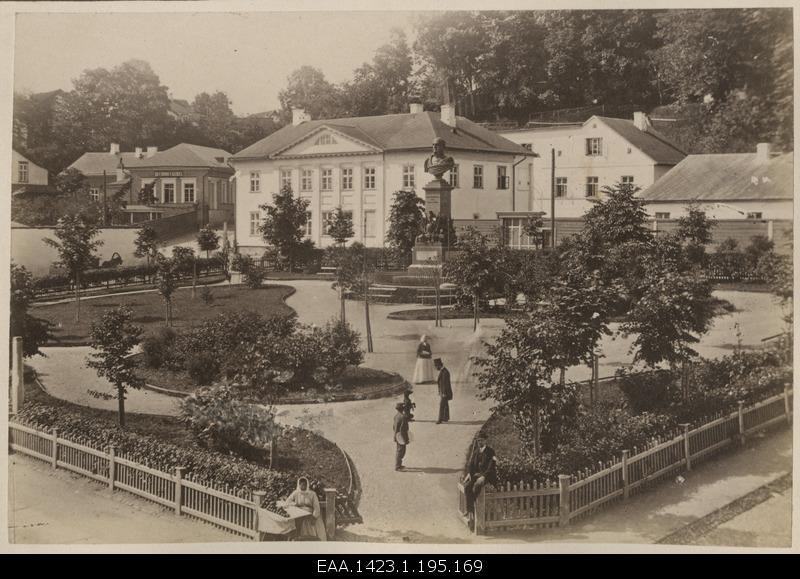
[{"x": 437, "y": 197}]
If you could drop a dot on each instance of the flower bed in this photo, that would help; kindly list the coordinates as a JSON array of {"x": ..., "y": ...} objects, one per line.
[
  {"x": 164, "y": 443},
  {"x": 647, "y": 407}
]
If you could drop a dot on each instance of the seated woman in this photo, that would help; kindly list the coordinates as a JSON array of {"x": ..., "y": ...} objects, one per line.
[{"x": 305, "y": 498}]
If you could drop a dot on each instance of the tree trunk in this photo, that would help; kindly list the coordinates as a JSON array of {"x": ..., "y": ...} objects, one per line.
[
  {"x": 366, "y": 313},
  {"x": 121, "y": 404},
  {"x": 537, "y": 433},
  {"x": 438, "y": 297},
  {"x": 341, "y": 301},
  {"x": 194, "y": 279},
  {"x": 77, "y": 296},
  {"x": 562, "y": 376},
  {"x": 476, "y": 308}
]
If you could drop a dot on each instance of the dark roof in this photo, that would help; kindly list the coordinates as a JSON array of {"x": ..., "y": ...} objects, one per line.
[
  {"x": 183, "y": 155},
  {"x": 390, "y": 132},
  {"x": 650, "y": 142},
  {"x": 96, "y": 163},
  {"x": 737, "y": 176}
]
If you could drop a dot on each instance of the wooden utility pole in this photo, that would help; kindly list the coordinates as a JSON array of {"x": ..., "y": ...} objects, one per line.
[
  {"x": 366, "y": 292},
  {"x": 105, "y": 201}
]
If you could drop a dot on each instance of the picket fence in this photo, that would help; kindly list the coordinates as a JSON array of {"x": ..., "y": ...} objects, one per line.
[
  {"x": 556, "y": 503},
  {"x": 233, "y": 510}
]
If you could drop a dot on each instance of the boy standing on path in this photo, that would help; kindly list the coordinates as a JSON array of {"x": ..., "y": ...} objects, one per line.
[{"x": 400, "y": 435}]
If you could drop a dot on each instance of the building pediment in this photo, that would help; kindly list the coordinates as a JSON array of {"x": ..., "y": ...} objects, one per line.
[{"x": 326, "y": 141}]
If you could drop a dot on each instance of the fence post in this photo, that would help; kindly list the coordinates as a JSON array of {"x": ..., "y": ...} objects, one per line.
[
  {"x": 258, "y": 499},
  {"x": 112, "y": 467},
  {"x": 563, "y": 503},
  {"x": 480, "y": 512},
  {"x": 742, "y": 437},
  {"x": 17, "y": 376},
  {"x": 54, "y": 458},
  {"x": 625, "y": 479},
  {"x": 686, "y": 452},
  {"x": 178, "y": 489},
  {"x": 330, "y": 512},
  {"x": 787, "y": 408}
]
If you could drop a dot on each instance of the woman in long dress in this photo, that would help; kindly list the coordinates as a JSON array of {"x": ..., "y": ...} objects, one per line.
[
  {"x": 423, "y": 371},
  {"x": 303, "y": 497}
]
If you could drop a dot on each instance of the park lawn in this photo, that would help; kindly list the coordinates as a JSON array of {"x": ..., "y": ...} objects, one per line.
[
  {"x": 148, "y": 309},
  {"x": 298, "y": 451},
  {"x": 357, "y": 383}
]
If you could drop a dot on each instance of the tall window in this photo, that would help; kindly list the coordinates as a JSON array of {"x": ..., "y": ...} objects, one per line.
[
  {"x": 627, "y": 179},
  {"x": 514, "y": 236},
  {"x": 561, "y": 186},
  {"x": 594, "y": 146},
  {"x": 94, "y": 194},
  {"x": 477, "y": 177},
  {"x": 306, "y": 180},
  {"x": 326, "y": 180},
  {"x": 255, "y": 181},
  {"x": 592, "y": 186},
  {"x": 326, "y": 222},
  {"x": 454, "y": 177},
  {"x": 223, "y": 190},
  {"x": 286, "y": 178},
  {"x": 369, "y": 177},
  {"x": 169, "y": 192},
  {"x": 309, "y": 223},
  {"x": 23, "y": 171},
  {"x": 408, "y": 177},
  {"x": 255, "y": 221},
  {"x": 188, "y": 192},
  {"x": 502, "y": 177},
  {"x": 347, "y": 178},
  {"x": 369, "y": 223}
]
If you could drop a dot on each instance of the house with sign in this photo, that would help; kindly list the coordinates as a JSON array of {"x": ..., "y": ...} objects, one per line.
[{"x": 359, "y": 163}]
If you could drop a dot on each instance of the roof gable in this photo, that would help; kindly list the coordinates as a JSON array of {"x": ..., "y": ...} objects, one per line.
[
  {"x": 329, "y": 140},
  {"x": 652, "y": 143}
]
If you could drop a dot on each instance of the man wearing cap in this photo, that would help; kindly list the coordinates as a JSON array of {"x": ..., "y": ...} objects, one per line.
[
  {"x": 401, "y": 437},
  {"x": 481, "y": 470},
  {"x": 445, "y": 391}
]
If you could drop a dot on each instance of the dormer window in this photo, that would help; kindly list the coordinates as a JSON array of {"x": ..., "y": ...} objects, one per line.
[{"x": 326, "y": 139}]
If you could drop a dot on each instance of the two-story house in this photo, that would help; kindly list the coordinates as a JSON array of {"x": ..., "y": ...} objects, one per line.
[
  {"x": 27, "y": 178},
  {"x": 105, "y": 170},
  {"x": 359, "y": 164}
]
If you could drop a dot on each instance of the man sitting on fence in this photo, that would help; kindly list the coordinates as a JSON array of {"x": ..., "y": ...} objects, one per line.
[{"x": 481, "y": 470}]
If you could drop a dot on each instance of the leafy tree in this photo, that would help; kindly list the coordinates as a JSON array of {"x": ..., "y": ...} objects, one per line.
[
  {"x": 308, "y": 89},
  {"x": 76, "y": 247},
  {"x": 208, "y": 240},
  {"x": 473, "y": 268},
  {"x": 759, "y": 246},
  {"x": 340, "y": 226},
  {"x": 406, "y": 219},
  {"x": 167, "y": 283},
  {"x": 284, "y": 224},
  {"x": 113, "y": 339},
  {"x": 694, "y": 230},
  {"x": 33, "y": 331},
  {"x": 214, "y": 120},
  {"x": 146, "y": 244}
]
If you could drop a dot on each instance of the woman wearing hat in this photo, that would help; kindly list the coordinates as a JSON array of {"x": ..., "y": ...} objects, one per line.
[{"x": 423, "y": 371}]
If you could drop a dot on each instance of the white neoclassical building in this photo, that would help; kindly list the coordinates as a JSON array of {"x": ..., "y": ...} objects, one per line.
[{"x": 359, "y": 164}]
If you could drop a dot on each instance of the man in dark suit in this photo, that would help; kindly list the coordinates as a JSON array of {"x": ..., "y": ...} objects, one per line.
[
  {"x": 481, "y": 470},
  {"x": 445, "y": 391},
  {"x": 401, "y": 437}
]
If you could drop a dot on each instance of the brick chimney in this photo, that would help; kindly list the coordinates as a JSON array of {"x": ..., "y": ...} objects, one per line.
[
  {"x": 151, "y": 151},
  {"x": 415, "y": 108},
  {"x": 640, "y": 121},
  {"x": 449, "y": 114},
  {"x": 299, "y": 116},
  {"x": 763, "y": 151},
  {"x": 113, "y": 149}
]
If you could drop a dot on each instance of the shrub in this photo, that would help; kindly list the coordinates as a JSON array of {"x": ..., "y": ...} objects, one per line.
[
  {"x": 207, "y": 295},
  {"x": 220, "y": 422},
  {"x": 241, "y": 263},
  {"x": 255, "y": 276},
  {"x": 158, "y": 346},
  {"x": 202, "y": 367},
  {"x": 339, "y": 346},
  {"x": 648, "y": 391}
]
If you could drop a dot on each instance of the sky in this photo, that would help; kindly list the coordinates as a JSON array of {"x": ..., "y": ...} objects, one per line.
[{"x": 246, "y": 55}]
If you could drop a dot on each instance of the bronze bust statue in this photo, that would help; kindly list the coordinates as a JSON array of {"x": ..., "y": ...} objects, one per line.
[{"x": 438, "y": 164}]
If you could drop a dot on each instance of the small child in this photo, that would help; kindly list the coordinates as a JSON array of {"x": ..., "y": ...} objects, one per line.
[{"x": 408, "y": 406}]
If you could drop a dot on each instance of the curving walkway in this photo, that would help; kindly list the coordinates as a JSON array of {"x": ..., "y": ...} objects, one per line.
[{"x": 418, "y": 504}]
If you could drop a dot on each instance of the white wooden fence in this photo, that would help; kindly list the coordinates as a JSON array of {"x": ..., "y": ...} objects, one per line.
[
  {"x": 556, "y": 503},
  {"x": 233, "y": 510}
]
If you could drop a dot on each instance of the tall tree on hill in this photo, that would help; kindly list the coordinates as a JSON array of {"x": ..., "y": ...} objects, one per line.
[
  {"x": 76, "y": 247},
  {"x": 308, "y": 89},
  {"x": 216, "y": 123}
]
